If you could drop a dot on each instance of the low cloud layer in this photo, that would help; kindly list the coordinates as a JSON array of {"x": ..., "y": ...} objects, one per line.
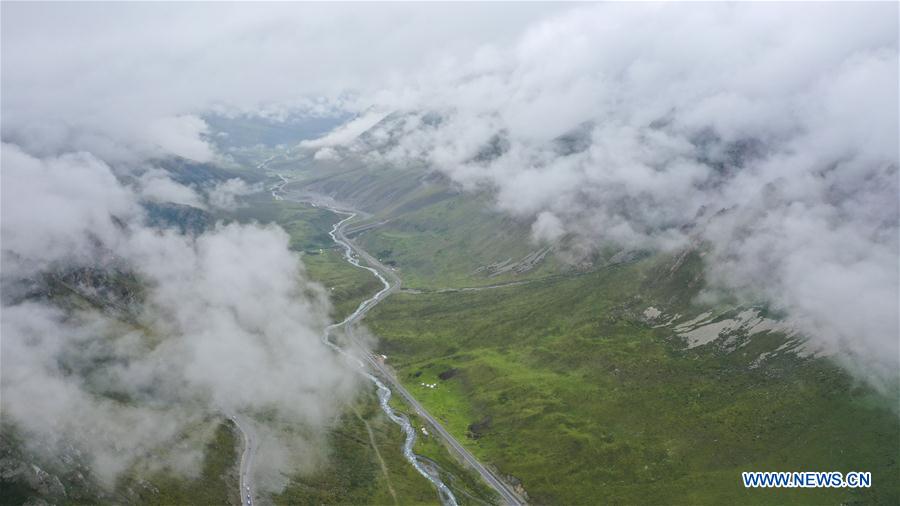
[
  {"x": 229, "y": 322},
  {"x": 155, "y": 185},
  {"x": 768, "y": 132},
  {"x": 129, "y": 82}
]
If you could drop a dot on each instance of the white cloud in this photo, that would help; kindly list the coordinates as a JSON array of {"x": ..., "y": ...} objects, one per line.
[
  {"x": 59, "y": 205},
  {"x": 345, "y": 133},
  {"x": 230, "y": 323},
  {"x": 181, "y": 136},
  {"x": 225, "y": 195},
  {"x": 326, "y": 154},
  {"x": 156, "y": 185},
  {"x": 769, "y": 131},
  {"x": 125, "y": 81},
  {"x": 547, "y": 227}
]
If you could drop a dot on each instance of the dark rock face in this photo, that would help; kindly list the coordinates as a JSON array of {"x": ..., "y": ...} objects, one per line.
[
  {"x": 107, "y": 289},
  {"x": 29, "y": 483},
  {"x": 184, "y": 219}
]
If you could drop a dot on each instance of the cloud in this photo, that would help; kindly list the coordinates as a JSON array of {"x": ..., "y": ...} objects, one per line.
[
  {"x": 155, "y": 185},
  {"x": 325, "y": 154},
  {"x": 229, "y": 322},
  {"x": 547, "y": 227},
  {"x": 127, "y": 82},
  {"x": 225, "y": 195},
  {"x": 768, "y": 132},
  {"x": 58, "y": 206},
  {"x": 57, "y": 411},
  {"x": 181, "y": 136},
  {"x": 345, "y": 133}
]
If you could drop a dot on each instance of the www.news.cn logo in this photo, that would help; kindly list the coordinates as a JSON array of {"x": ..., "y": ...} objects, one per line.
[{"x": 810, "y": 479}]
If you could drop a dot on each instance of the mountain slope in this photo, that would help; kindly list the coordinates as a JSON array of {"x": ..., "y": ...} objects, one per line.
[{"x": 565, "y": 385}]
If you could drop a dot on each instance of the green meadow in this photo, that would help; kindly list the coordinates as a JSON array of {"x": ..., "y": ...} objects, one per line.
[{"x": 560, "y": 384}]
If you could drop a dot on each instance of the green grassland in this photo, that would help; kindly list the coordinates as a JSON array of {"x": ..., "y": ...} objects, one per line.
[
  {"x": 560, "y": 384},
  {"x": 362, "y": 468},
  {"x": 433, "y": 234},
  {"x": 466, "y": 486},
  {"x": 366, "y": 465},
  {"x": 443, "y": 245}
]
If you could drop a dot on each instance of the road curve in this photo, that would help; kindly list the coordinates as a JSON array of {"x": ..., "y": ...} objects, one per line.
[{"x": 383, "y": 272}]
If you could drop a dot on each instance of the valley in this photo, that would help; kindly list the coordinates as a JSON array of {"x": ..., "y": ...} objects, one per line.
[
  {"x": 450, "y": 254},
  {"x": 561, "y": 380}
]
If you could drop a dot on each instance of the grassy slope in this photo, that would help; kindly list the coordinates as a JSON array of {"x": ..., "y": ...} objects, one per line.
[
  {"x": 435, "y": 233},
  {"x": 466, "y": 486},
  {"x": 436, "y": 236},
  {"x": 442, "y": 244},
  {"x": 572, "y": 393},
  {"x": 217, "y": 483},
  {"x": 354, "y": 474},
  {"x": 584, "y": 403},
  {"x": 562, "y": 385}
]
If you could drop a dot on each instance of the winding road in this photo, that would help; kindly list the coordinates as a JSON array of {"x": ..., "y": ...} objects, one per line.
[{"x": 353, "y": 254}]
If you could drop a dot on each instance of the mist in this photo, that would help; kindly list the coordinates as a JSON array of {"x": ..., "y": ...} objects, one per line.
[
  {"x": 767, "y": 133},
  {"x": 222, "y": 322}
]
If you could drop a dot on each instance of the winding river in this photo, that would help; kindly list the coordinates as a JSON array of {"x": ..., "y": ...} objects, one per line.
[
  {"x": 384, "y": 393},
  {"x": 367, "y": 362}
]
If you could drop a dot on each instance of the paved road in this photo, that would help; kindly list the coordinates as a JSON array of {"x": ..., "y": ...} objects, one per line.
[
  {"x": 385, "y": 273},
  {"x": 247, "y": 456}
]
